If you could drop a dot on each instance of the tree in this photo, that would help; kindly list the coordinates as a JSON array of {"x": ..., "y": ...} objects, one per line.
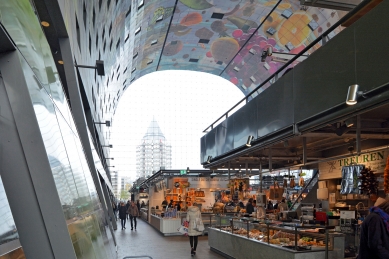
[{"x": 124, "y": 195}]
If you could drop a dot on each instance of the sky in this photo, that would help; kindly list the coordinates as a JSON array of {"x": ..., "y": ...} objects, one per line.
[{"x": 184, "y": 103}]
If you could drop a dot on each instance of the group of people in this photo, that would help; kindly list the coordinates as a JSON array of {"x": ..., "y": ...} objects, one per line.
[{"x": 129, "y": 210}]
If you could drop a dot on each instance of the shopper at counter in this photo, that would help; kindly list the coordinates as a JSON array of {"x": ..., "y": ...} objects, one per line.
[
  {"x": 374, "y": 242},
  {"x": 249, "y": 206},
  {"x": 283, "y": 206},
  {"x": 164, "y": 203},
  {"x": 193, "y": 214},
  {"x": 170, "y": 204}
]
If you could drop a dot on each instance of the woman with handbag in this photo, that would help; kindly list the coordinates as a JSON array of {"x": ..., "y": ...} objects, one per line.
[{"x": 195, "y": 225}]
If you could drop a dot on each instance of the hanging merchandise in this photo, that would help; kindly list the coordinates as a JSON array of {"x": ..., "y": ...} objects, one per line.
[
  {"x": 285, "y": 183},
  {"x": 350, "y": 180},
  {"x": 368, "y": 183},
  {"x": 386, "y": 177},
  {"x": 301, "y": 181},
  {"x": 292, "y": 183}
]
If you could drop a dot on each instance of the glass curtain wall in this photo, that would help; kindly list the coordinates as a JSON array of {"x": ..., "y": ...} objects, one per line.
[{"x": 81, "y": 207}]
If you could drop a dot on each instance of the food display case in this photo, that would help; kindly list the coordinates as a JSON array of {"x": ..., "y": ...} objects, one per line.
[{"x": 247, "y": 238}]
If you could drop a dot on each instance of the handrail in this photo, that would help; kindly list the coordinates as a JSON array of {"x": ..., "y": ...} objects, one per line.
[
  {"x": 306, "y": 186},
  {"x": 139, "y": 256},
  {"x": 321, "y": 37}
]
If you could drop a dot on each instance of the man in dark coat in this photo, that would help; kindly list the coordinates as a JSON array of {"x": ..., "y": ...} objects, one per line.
[
  {"x": 374, "y": 241},
  {"x": 249, "y": 206},
  {"x": 123, "y": 214}
]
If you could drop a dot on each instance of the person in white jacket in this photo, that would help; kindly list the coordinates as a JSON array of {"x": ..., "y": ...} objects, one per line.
[{"x": 193, "y": 214}]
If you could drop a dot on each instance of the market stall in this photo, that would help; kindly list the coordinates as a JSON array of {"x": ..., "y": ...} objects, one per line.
[{"x": 273, "y": 239}]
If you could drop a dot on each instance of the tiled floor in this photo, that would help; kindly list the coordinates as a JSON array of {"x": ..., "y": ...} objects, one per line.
[{"x": 148, "y": 241}]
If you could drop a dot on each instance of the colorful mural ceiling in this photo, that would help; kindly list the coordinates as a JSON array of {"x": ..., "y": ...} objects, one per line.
[{"x": 224, "y": 37}]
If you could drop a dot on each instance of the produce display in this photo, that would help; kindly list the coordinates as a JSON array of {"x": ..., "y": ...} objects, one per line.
[{"x": 386, "y": 176}]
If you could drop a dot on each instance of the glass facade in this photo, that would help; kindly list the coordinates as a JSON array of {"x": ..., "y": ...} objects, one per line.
[{"x": 82, "y": 210}]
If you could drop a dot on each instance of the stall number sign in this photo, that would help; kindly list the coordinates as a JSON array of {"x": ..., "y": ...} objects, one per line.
[{"x": 182, "y": 172}]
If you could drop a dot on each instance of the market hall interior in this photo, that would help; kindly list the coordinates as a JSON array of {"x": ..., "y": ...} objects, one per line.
[{"x": 64, "y": 66}]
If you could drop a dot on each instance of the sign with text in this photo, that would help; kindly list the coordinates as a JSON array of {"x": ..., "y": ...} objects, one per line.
[
  {"x": 182, "y": 172},
  {"x": 207, "y": 182},
  {"x": 333, "y": 169}
]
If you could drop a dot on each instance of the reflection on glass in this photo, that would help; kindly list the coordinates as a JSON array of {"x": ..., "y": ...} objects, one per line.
[
  {"x": 70, "y": 170},
  {"x": 8, "y": 231}
]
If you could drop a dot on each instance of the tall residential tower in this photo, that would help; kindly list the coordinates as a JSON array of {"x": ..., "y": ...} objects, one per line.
[{"x": 154, "y": 152}]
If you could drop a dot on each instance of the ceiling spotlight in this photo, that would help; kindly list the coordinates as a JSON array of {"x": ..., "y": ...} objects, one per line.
[
  {"x": 249, "y": 139},
  {"x": 349, "y": 123},
  {"x": 341, "y": 130},
  {"x": 187, "y": 169},
  {"x": 209, "y": 159},
  {"x": 266, "y": 53},
  {"x": 353, "y": 94}
]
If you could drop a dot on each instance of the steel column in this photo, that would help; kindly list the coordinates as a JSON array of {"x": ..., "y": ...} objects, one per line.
[{"x": 25, "y": 169}]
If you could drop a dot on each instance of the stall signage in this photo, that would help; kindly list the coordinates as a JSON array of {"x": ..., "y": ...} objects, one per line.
[
  {"x": 182, "y": 172},
  {"x": 333, "y": 169},
  {"x": 206, "y": 182}
]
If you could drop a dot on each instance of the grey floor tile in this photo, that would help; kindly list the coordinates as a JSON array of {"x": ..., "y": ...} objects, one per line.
[{"x": 148, "y": 241}]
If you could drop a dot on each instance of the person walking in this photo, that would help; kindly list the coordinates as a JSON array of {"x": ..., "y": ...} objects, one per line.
[
  {"x": 127, "y": 206},
  {"x": 122, "y": 214},
  {"x": 374, "y": 242},
  {"x": 134, "y": 213},
  {"x": 192, "y": 215}
]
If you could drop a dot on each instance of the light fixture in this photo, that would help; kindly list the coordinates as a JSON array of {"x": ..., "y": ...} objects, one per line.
[
  {"x": 353, "y": 94},
  {"x": 341, "y": 130},
  {"x": 45, "y": 24},
  {"x": 110, "y": 146},
  {"x": 249, "y": 139},
  {"x": 99, "y": 67},
  {"x": 349, "y": 122},
  {"x": 209, "y": 159},
  {"x": 266, "y": 53},
  {"x": 187, "y": 169},
  {"x": 111, "y": 158},
  {"x": 111, "y": 166},
  {"x": 107, "y": 123}
]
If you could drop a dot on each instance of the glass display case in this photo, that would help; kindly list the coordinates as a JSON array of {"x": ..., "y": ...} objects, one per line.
[{"x": 274, "y": 237}]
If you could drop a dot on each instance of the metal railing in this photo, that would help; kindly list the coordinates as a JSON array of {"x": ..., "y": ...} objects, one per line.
[
  {"x": 138, "y": 256},
  {"x": 322, "y": 37}
]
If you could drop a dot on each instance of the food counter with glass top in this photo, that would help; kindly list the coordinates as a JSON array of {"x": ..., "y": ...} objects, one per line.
[{"x": 247, "y": 238}]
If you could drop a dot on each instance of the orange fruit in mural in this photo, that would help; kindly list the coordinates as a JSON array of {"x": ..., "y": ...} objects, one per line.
[
  {"x": 271, "y": 22},
  {"x": 191, "y": 19},
  {"x": 224, "y": 49},
  {"x": 281, "y": 6},
  {"x": 294, "y": 30}
]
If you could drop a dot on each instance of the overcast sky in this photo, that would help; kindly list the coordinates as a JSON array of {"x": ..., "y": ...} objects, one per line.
[{"x": 184, "y": 103}]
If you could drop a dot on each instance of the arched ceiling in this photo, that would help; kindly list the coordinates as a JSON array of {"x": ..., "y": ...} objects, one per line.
[{"x": 225, "y": 37}]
